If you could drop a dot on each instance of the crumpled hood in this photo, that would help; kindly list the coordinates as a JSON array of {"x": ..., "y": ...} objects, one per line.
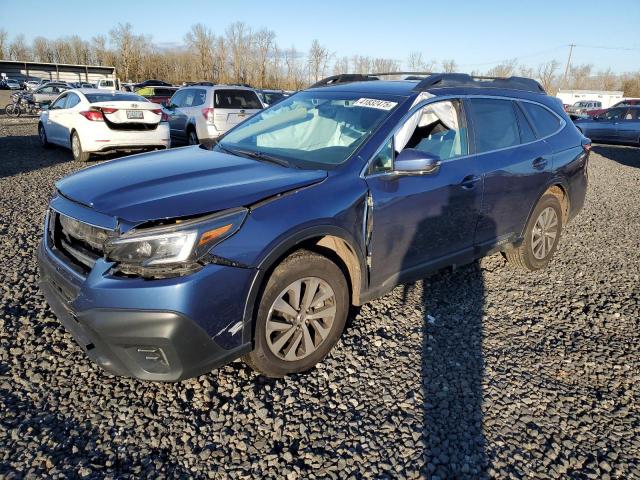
[{"x": 180, "y": 182}]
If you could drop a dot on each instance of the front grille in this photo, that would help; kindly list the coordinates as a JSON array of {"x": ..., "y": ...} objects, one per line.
[{"x": 77, "y": 243}]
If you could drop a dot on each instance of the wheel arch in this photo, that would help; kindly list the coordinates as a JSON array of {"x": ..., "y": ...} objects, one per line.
[
  {"x": 560, "y": 189},
  {"x": 330, "y": 241}
]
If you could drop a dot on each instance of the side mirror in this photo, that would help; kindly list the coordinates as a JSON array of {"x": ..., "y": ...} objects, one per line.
[{"x": 415, "y": 162}]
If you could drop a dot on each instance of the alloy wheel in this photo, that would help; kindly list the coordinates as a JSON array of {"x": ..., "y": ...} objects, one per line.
[
  {"x": 300, "y": 318},
  {"x": 75, "y": 146},
  {"x": 544, "y": 233}
]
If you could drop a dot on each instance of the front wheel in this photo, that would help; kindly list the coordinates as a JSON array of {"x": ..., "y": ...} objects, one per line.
[
  {"x": 76, "y": 147},
  {"x": 12, "y": 110},
  {"x": 541, "y": 236},
  {"x": 42, "y": 133},
  {"x": 301, "y": 315}
]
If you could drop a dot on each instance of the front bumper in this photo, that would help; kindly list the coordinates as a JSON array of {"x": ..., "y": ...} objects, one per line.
[{"x": 162, "y": 330}]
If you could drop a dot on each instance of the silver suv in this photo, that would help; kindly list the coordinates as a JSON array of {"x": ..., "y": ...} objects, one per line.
[{"x": 201, "y": 112}]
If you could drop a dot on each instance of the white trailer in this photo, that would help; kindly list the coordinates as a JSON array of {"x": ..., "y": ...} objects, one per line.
[{"x": 606, "y": 98}]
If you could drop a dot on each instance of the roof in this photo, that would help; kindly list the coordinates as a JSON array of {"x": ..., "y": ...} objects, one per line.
[{"x": 18, "y": 62}]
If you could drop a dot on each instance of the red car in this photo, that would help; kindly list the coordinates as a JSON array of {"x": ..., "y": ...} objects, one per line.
[{"x": 624, "y": 103}]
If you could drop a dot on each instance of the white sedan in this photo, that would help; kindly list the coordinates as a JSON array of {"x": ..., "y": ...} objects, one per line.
[{"x": 95, "y": 121}]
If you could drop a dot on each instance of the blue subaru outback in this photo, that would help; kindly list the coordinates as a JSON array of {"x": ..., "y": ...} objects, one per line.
[{"x": 166, "y": 265}]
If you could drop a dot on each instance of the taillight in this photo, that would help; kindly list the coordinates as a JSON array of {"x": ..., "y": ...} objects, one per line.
[
  {"x": 163, "y": 116},
  {"x": 208, "y": 114},
  {"x": 93, "y": 115},
  {"x": 109, "y": 110}
]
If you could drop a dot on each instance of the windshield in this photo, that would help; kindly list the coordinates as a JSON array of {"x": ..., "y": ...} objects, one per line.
[{"x": 311, "y": 127}]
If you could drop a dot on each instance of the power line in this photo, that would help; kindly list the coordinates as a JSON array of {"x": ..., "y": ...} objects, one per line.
[
  {"x": 632, "y": 49},
  {"x": 514, "y": 58}
]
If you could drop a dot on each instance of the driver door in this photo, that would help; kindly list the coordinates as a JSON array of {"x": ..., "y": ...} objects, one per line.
[
  {"x": 419, "y": 222},
  {"x": 53, "y": 126}
]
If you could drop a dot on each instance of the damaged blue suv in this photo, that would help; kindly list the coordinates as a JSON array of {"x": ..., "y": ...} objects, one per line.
[{"x": 166, "y": 265}]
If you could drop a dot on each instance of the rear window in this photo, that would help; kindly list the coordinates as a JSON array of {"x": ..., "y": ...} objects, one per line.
[
  {"x": 106, "y": 83},
  {"x": 543, "y": 120},
  {"x": 109, "y": 97},
  {"x": 495, "y": 124},
  {"x": 244, "y": 99},
  {"x": 163, "y": 92}
]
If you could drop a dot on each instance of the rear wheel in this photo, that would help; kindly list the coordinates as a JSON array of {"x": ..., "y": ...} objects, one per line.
[
  {"x": 192, "y": 137},
  {"x": 301, "y": 315},
  {"x": 42, "y": 133},
  {"x": 541, "y": 236},
  {"x": 76, "y": 147}
]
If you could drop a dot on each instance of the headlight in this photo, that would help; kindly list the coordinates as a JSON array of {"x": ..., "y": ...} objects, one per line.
[{"x": 175, "y": 248}]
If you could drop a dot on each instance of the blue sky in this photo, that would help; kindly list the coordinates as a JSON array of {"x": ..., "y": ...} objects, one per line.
[{"x": 477, "y": 34}]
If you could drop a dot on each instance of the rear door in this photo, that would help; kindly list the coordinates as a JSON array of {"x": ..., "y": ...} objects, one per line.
[
  {"x": 233, "y": 105},
  {"x": 513, "y": 163}
]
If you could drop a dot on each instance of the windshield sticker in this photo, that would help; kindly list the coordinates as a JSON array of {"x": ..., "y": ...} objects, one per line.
[{"x": 373, "y": 103}]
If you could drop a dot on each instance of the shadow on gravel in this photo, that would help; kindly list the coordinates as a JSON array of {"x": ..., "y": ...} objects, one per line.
[
  {"x": 67, "y": 447},
  {"x": 452, "y": 302},
  {"x": 23, "y": 154},
  {"x": 629, "y": 156}
]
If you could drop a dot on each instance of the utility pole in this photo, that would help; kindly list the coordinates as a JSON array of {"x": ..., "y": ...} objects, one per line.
[{"x": 566, "y": 69}]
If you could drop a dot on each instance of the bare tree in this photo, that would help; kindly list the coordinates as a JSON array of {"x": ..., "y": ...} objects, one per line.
[
  {"x": 317, "y": 61},
  {"x": 129, "y": 48},
  {"x": 293, "y": 67},
  {"x": 449, "y": 66},
  {"x": 341, "y": 66},
  {"x": 201, "y": 40},
  {"x": 361, "y": 64},
  {"x": 385, "y": 65},
  {"x": 18, "y": 49},
  {"x": 264, "y": 41},
  {"x": 547, "y": 74},
  {"x": 4, "y": 48},
  {"x": 504, "y": 69},
  {"x": 579, "y": 76},
  {"x": 239, "y": 42},
  {"x": 42, "y": 51}
]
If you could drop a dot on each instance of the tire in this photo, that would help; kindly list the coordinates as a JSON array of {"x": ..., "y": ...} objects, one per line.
[
  {"x": 42, "y": 133},
  {"x": 545, "y": 225},
  {"x": 76, "y": 148},
  {"x": 192, "y": 137},
  {"x": 308, "y": 340},
  {"x": 12, "y": 110}
]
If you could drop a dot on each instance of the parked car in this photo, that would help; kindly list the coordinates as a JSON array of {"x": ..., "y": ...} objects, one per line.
[
  {"x": 94, "y": 121},
  {"x": 159, "y": 95},
  {"x": 31, "y": 85},
  {"x": 206, "y": 112},
  {"x": 583, "y": 107},
  {"x": 166, "y": 265},
  {"x": 107, "y": 84},
  {"x": 13, "y": 84},
  {"x": 48, "y": 92},
  {"x": 271, "y": 97},
  {"x": 616, "y": 125},
  {"x": 152, "y": 83},
  {"x": 624, "y": 103}
]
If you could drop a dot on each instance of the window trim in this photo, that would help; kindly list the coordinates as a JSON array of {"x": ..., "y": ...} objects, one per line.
[{"x": 364, "y": 171}]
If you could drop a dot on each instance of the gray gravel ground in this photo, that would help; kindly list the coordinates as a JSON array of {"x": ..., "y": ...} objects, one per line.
[{"x": 481, "y": 372}]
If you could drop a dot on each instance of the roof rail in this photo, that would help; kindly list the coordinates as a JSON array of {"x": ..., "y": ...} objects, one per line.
[
  {"x": 343, "y": 78},
  {"x": 442, "y": 80}
]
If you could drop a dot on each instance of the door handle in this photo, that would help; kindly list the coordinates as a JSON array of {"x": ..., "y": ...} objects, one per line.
[
  {"x": 469, "y": 182},
  {"x": 539, "y": 163}
]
